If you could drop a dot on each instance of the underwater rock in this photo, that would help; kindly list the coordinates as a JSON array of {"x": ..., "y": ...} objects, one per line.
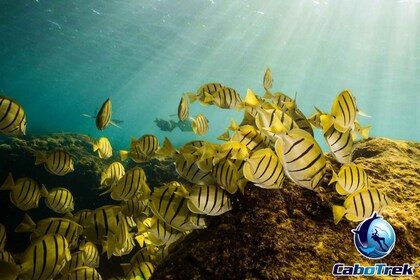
[{"x": 290, "y": 233}]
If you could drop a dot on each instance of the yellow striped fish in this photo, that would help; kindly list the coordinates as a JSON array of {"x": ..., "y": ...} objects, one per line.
[
  {"x": 112, "y": 174},
  {"x": 103, "y": 118},
  {"x": 12, "y": 117},
  {"x": 25, "y": 193},
  {"x": 58, "y": 162},
  {"x": 169, "y": 203},
  {"x": 227, "y": 176},
  {"x": 143, "y": 255},
  {"x": 161, "y": 233},
  {"x": 6, "y": 256},
  {"x": 209, "y": 88},
  {"x": 131, "y": 184},
  {"x": 264, "y": 169},
  {"x": 200, "y": 125},
  {"x": 121, "y": 242},
  {"x": 68, "y": 228},
  {"x": 231, "y": 150},
  {"x": 60, "y": 200},
  {"x": 147, "y": 144},
  {"x": 343, "y": 111},
  {"x": 80, "y": 216},
  {"x": 77, "y": 260},
  {"x": 225, "y": 98},
  {"x": 209, "y": 200},
  {"x": 302, "y": 157},
  {"x": 268, "y": 79},
  {"x": 350, "y": 178},
  {"x": 42, "y": 260},
  {"x": 361, "y": 204},
  {"x": 3, "y": 237},
  {"x": 143, "y": 270},
  {"x": 90, "y": 253},
  {"x": 103, "y": 146},
  {"x": 340, "y": 144},
  {"x": 183, "y": 111},
  {"x": 249, "y": 136},
  {"x": 83, "y": 272},
  {"x": 101, "y": 222},
  {"x": 134, "y": 207},
  {"x": 186, "y": 166}
]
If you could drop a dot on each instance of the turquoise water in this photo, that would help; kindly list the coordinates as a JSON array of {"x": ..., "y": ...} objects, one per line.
[{"x": 60, "y": 59}]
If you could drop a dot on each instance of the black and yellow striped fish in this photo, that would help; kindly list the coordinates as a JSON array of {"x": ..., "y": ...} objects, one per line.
[
  {"x": 145, "y": 254},
  {"x": 350, "y": 178},
  {"x": 268, "y": 79},
  {"x": 103, "y": 146},
  {"x": 186, "y": 166},
  {"x": 103, "y": 118},
  {"x": 200, "y": 125},
  {"x": 227, "y": 176},
  {"x": 131, "y": 184},
  {"x": 147, "y": 144},
  {"x": 60, "y": 200},
  {"x": 343, "y": 112},
  {"x": 3, "y": 237},
  {"x": 340, "y": 144},
  {"x": 77, "y": 260},
  {"x": 169, "y": 203},
  {"x": 80, "y": 216},
  {"x": 134, "y": 207},
  {"x": 12, "y": 117},
  {"x": 82, "y": 272},
  {"x": 25, "y": 192},
  {"x": 183, "y": 111},
  {"x": 91, "y": 254},
  {"x": 302, "y": 157},
  {"x": 161, "y": 233},
  {"x": 209, "y": 88},
  {"x": 249, "y": 136},
  {"x": 121, "y": 242},
  {"x": 264, "y": 169},
  {"x": 209, "y": 200},
  {"x": 225, "y": 98},
  {"x": 68, "y": 228},
  {"x": 58, "y": 162},
  {"x": 42, "y": 260},
  {"x": 361, "y": 204},
  {"x": 101, "y": 222},
  {"x": 112, "y": 174}
]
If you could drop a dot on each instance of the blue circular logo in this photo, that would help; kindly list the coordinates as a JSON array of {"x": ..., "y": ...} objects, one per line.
[{"x": 374, "y": 238}]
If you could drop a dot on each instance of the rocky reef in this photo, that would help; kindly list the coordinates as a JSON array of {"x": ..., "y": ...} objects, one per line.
[{"x": 290, "y": 233}]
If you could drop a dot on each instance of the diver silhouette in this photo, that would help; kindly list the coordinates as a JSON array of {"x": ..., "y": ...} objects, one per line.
[{"x": 378, "y": 239}]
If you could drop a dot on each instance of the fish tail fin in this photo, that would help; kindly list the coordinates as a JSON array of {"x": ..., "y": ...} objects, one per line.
[
  {"x": 251, "y": 99},
  {"x": 365, "y": 132},
  {"x": 103, "y": 177},
  {"x": 326, "y": 122},
  {"x": 125, "y": 267},
  {"x": 44, "y": 191},
  {"x": 334, "y": 178},
  {"x": 110, "y": 246},
  {"x": 267, "y": 94},
  {"x": 10, "y": 271},
  {"x": 124, "y": 155},
  {"x": 27, "y": 225},
  {"x": 194, "y": 125},
  {"x": 167, "y": 149},
  {"x": 233, "y": 125},
  {"x": 241, "y": 185},
  {"x": 338, "y": 213},
  {"x": 224, "y": 136},
  {"x": 40, "y": 157},
  {"x": 95, "y": 145},
  {"x": 192, "y": 97},
  {"x": 9, "y": 184}
]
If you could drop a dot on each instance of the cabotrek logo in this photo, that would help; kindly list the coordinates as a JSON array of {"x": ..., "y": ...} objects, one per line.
[{"x": 374, "y": 238}]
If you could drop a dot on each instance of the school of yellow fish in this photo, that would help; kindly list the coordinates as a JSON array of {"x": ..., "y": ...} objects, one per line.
[{"x": 273, "y": 142}]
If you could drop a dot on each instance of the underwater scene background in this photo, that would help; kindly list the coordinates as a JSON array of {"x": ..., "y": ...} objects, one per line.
[{"x": 61, "y": 60}]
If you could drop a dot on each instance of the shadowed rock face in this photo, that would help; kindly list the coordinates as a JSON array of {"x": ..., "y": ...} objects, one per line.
[{"x": 290, "y": 233}]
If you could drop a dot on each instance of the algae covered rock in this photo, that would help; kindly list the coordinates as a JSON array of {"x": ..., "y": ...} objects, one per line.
[{"x": 290, "y": 233}]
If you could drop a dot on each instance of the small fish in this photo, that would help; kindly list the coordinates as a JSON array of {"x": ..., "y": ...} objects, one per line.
[
  {"x": 298, "y": 117},
  {"x": 3, "y": 237},
  {"x": 200, "y": 125},
  {"x": 67, "y": 228},
  {"x": 101, "y": 222},
  {"x": 247, "y": 135},
  {"x": 91, "y": 254},
  {"x": 161, "y": 234},
  {"x": 141, "y": 150},
  {"x": 350, "y": 178},
  {"x": 187, "y": 167},
  {"x": 12, "y": 117},
  {"x": 132, "y": 184},
  {"x": 343, "y": 112},
  {"x": 268, "y": 79},
  {"x": 57, "y": 162},
  {"x": 340, "y": 144},
  {"x": 112, "y": 174},
  {"x": 225, "y": 98},
  {"x": 209, "y": 200},
  {"x": 42, "y": 260},
  {"x": 134, "y": 207},
  {"x": 121, "y": 242},
  {"x": 169, "y": 203},
  {"x": 183, "y": 111},
  {"x": 103, "y": 146},
  {"x": 82, "y": 272},
  {"x": 60, "y": 200},
  {"x": 103, "y": 118},
  {"x": 25, "y": 193},
  {"x": 209, "y": 88},
  {"x": 361, "y": 204},
  {"x": 302, "y": 157},
  {"x": 264, "y": 169},
  {"x": 227, "y": 176}
]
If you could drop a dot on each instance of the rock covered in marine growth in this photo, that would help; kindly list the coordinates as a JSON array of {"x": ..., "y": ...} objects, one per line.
[{"x": 290, "y": 233}]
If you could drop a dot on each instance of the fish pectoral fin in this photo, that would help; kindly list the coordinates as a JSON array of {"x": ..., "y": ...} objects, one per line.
[
  {"x": 89, "y": 116},
  {"x": 114, "y": 124}
]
